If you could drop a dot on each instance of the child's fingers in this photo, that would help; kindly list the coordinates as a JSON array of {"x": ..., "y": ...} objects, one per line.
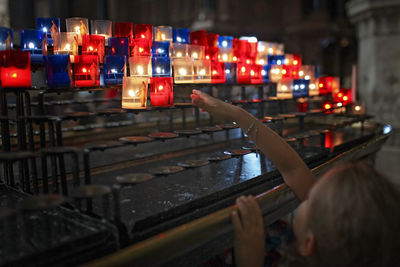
[
  {"x": 256, "y": 210},
  {"x": 237, "y": 225}
]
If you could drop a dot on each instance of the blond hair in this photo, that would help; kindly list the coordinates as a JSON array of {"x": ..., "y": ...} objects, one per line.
[{"x": 355, "y": 217}]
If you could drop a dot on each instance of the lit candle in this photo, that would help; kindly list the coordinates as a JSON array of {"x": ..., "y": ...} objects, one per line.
[
  {"x": 162, "y": 33},
  {"x": 161, "y": 91},
  {"x": 78, "y": 25},
  {"x": 140, "y": 66},
  {"x": 183, "y": 70},
  {"x": 86, "y": 71},
  {"x": 15, "y": 68},
  {"x": 134, "y": 92}
]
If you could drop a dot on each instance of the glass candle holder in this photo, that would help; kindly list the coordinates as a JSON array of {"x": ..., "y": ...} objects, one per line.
[
  {"x": 6, "y": 38},
  {"x": 48, "y": 26},
  {"x": 243, "y": 73},
  {"x": 276, "y": 59},
  {"x": 183, "y": 71},
  {"x": 102, "y": 28},
  {"x": 328, "y": 84},
  {"x": 225, "y": 55},
  {"x": 114, "y": 69},
  {"x": 68, "y": 44},
  {"x": 212, "y": 39},
  {"x": 134, "y": 92},
  {"x": 180, "y": 50},
  {"x": 118, "y": 46},
  {"x": 86, "y": 71},
  {"x": 80, "y": 26},
  {"x": 142, "y": 48},
  {"x": 212, "y": 53},
  {"x": 300, "y": 88},
  {"x": 313, "y": 87},
  {"x": 160, "y": 49},
  {"x": 265, "y": 73},
  {"x": 161, "y": 92},
  {"x": 262, "y": 48},
  {"x": 30, "y": 42},
  {"x": 255, "y": 74},
  {"x": 196, "y": 52},
  {"x": 292, "y": 59},
  {"x": 275, "y": 73},
  {"x": 225, "y": 41},
  {"x": 123, "y": 29},
  {"x": 93, "y": 45},
  {"x": 230, "y": 73},
  {"x": 144, "y": 32},
  {"x": 58, "y": 71},
  {"x": 140, "y": 66},
  {"x": 262, "y": 59},
  {"x": 307, "y": 72},
  {"x": 217, "y": 72},
  {"x": 202, "y": 71},
  {"x": 198, "y": 38},
  {"x": 161, "y": 66},
  {"x": 279, "y": 49},
  {"x": 343, "y": 96},
  {"x": 162, "y": 33},
  {"x": 284, "y": 90},
  {"x": 15, "y": 68},
  {"x": 290, "y": 72},
  {"x": 181, "y": 35}
]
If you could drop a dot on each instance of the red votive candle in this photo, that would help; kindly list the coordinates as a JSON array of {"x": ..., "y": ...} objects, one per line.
[
  {"x": 217, "y": 72},
  {"x": 93, "y": 45},
  {"x": 15, "y": 68},
  {"x": 86, "y": 71},
  {"x": 161, "y": 92},
  {"x": 199, "y": 37}
]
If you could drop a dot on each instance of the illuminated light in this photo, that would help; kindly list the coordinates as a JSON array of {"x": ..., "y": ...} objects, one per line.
[
  {"x": 179, "y": 39},
  {"x": 140, "y": 70},
  {"x": 243, "y": 69},
  {"x": 131, "y": 93},
  {"x": 224, "y": 43},
  {"x": 67, "y": 47},
  {"x": 31, "y": 45},
  {"x": 276, "y": 71},
  {"x": 263, "y": 73},
  {"x": 14, "y": 75},
  {"x": 357, "y": 108},
  {"x": 122, "y": 41},
  {"x": 141, "y": 49},
  {"x": 345, "y": 98},
  {"x": 207, "y": 57},
  {"x": 195, "y": 55},
  {"x": 77, "y": 29},
  {"x": 179, "y": 54},
  {"x": 284, "y": 87},
  {"x": 44, "y": 29},
  {"x": 270, "y": 50},
  {"x": 234, "y": 59},
  {"x": 158, "y": 70},
  {"x": 160, "y": 51},
  {"x": 248, "y": 61},
  {"x": 284, "y": 71},
  {"x": 214, "y": 72},
  {"x": 301, "y": 73},
  {"x": 302, "y": 86},
  {"x": 202, "y": 72},
  {"x": 294, "y": 72},
  {"x": 321, "y": 85},
  {"x": 339, "y": 104},
  {"x": 286, "y": 61},
  {"x": 182, "y": 71},
  {"x": 387, "y": 129},
  {"x": 227, "y": 71},
  {"x": 327, "y": 106},
  {"x": 252, "y": 73},
  {"x": 312, "y": 86},
  {"x": 329, "y": 84},
  {"x": 162, "y": 36},
  {"x": 340, "y": 95},
  {"x": 295, "y": 62},
  {"x": 261, "y": 62},
  {"x": 84, "y": 70},
  {"x": 90, "y": 48},
  {"x": 278, "y": 62},
  {"x": 307, "y": 77},
  {"x": 224, "y": 57},
  {"x": 261, "y": 48},
  {"x": 160, "y": 87},
  {"x": 114, "y": 71},
  {"x": 143, "y": 36},
  {"x": 296, "y": 87}
]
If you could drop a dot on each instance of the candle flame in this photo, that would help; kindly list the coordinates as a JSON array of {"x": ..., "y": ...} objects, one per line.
[
  {"x": 14, "y": 75},
  {"x": 224, "y": 57},
  {"x": 179, "y": 54},
  {"x": 252, "y": 73},
  {"x": 312, "y": 86},
  {"x": 243, "y": 69},
  {"x": 202, "y": 72},
  {"x": 194, "y": 55},
  {"x": 77, "y": 29},
  {"x": 182, "y": 71},
  {"x": 131, "y": 93},
  {"x": 140, "y": 70},
  {"x": 357, "y": 108},
  {"x": 301, "y": 73},
  {"x": 160, "y": 88},
  {"x": 84, "y": 70}
]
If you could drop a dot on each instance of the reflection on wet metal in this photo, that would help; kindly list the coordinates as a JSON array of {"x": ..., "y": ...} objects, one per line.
[
  {"x": 163, "y": 135},
  {"x": 237, "y": 153},
  {"x": 164, "y": 170},
  {"x": 193, "y": 163},
  {"x": 135, "y": 139}
]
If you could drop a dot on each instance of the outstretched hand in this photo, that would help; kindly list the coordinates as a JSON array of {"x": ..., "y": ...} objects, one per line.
[
  {"x": 212, "y": 105},
  {"x": 249, "y": 233}
]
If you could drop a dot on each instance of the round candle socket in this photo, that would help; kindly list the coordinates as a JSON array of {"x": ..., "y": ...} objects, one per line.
[
  {"x": 91, "y": 190},
  {"x": 101, "y": 145},
  {"x": 315, "y": 111},
  {"x": 273, "y": 118},
  {"x": 290, "y": 139},
  {"x": 187, "y": 132},
  {"x": 42, "y": 202},
  {"x": 210, "y": 129},
  {"x": 164, "y": 170},
  {"x": 287, "y": 116},
  {"x": 219, "y": 158},
  {"x": 135, "y": 139},
  {"x": 163, "y": 135},
  {"x": 134, "y": 178},
  {"x": 193, "y": 163},
  {"x": 239, "y": 152},
  {"x": 228, "y": 126}
]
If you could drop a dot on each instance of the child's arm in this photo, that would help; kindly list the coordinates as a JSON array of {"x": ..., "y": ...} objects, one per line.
[{"x": 294, "y": 171}]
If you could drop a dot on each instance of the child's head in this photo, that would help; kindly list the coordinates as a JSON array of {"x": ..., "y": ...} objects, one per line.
[{"x": 351, "y": 218}]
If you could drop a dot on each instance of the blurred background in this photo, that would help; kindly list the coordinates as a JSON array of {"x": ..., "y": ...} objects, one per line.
[{"x": 334, "y": 35}]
